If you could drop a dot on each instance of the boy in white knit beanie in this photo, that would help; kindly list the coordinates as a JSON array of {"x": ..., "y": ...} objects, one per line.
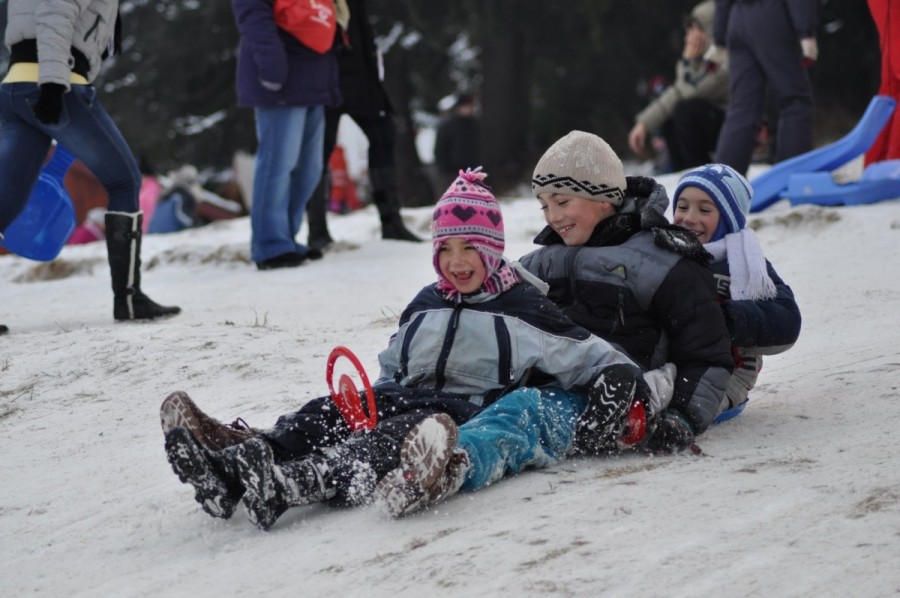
[{"x": 619, "y": 268}]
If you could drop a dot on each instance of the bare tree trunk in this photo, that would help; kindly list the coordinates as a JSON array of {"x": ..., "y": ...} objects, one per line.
[
  {"x": 413, "y": 184},
  {"x": 505, "y": 95}
]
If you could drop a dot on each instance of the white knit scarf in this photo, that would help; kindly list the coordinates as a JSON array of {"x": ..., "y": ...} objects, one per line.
[{"x": 746, "y": 265}]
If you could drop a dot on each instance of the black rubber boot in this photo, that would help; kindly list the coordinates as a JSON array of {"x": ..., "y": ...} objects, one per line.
[
  {"x": 123, "y": 245},
  {"x": 392, "y": 226},
  {"x": 316, "y": 219},
  {"x": 271, "y": 489}
]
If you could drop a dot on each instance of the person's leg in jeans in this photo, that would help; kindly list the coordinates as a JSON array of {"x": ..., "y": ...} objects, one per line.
[
  {"x": 279, "y": 132},
  {"x": 308, "y": 170},
  {"x": 23, "y": 148},
  {"x": 87, "y": 131}
]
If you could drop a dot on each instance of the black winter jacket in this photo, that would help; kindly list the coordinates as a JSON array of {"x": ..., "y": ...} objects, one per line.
[{"x": 643, "y": 285}]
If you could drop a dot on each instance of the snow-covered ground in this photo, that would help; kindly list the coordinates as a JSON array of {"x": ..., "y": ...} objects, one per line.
[{"x": 800, "y": 496}]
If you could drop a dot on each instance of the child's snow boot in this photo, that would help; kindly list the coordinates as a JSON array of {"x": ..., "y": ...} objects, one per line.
[
  {"x": 212, "y": 475},
  {"x": 179, "y": 411},
  {"x": 271, "y": 489},
  {"x": 431, "y": 468},
  {"x": 123, "y": 246}
]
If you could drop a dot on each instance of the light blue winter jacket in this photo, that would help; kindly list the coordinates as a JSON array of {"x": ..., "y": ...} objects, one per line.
[{"x": 488, "y": 345}]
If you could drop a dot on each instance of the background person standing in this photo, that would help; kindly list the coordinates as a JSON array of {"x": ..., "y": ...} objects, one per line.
[
  {"x": 769, "y": 43},
  {"x": 288, "y": 86}
]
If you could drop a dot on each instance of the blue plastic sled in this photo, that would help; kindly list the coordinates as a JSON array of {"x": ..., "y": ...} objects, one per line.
[
  {"x": 879, "y": 181},
  {"x": 731, "y": 413},
  {"x": 770, "y": 186},
  {"x": 42, "y": 229}
]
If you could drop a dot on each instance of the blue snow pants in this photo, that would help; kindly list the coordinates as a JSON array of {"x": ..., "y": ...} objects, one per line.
[{"x": 529, "y": 427}]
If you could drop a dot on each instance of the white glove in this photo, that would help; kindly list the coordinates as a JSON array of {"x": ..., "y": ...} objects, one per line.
[
  {"x": 810, "y": 50},
  {"x": 717, "y": 54},
  {"x": 662, "y": 386}
]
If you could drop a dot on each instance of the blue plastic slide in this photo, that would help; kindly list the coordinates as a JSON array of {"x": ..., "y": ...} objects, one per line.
[
  {"x": 879, "y": 181},
  {"x": 42, "y": 229},
  {"x": 770, "y": 186}
]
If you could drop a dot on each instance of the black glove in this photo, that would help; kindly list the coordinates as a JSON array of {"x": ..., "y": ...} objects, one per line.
[
  {"x": 49, "y": 105},
  {"x": 673, "y": 434}
]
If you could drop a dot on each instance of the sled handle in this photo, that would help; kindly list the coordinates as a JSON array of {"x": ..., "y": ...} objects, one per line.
[{"x": 346, "y": 397}]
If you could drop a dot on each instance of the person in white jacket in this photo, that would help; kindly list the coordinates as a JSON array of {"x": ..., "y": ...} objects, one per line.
[
  {"x": 689, "y": 112},
  {"x": 56, "y": 48}
]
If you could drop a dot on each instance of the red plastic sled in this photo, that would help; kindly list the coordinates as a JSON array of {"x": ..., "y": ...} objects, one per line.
[{"x": 346, "y": 397}]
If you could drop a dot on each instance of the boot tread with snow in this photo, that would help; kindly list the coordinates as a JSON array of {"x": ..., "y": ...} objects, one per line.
[
  {"x": 215, "y": 487},
  {"x": 179, "y": 411}
]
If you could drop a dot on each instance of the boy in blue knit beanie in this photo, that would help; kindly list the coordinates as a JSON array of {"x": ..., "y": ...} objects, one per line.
[{"x": 762, "y": 316}]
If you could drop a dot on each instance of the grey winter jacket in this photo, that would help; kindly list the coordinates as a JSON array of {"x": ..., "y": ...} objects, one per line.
[
  {"x": 60, "y": 25},
  {"x": 634, "y": 284},
  {"x": 491, "y": 344}
]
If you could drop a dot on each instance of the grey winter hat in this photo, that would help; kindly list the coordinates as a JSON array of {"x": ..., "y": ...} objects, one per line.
[{"x": 582, "y": 165}]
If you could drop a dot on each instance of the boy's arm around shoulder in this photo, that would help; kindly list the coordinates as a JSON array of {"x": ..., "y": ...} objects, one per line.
[
  {"x": 768, "y": 326},
  {"x": 686, "y": 307}
]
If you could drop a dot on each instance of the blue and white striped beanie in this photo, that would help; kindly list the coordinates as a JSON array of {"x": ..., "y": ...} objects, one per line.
[{"x": 728, "y": 189}]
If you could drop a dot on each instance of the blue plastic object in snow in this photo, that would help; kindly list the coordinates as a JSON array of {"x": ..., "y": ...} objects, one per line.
[
  {"x": 879, "y": 181},
  {"x": 770, "y": 186},
  {"x": 42, "y": 229},
  {"x": 731, "y": 413}
]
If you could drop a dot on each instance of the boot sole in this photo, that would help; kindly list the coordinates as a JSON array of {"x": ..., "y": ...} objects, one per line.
[
  {"x": 259, "y": 478},
  {"x": 179, "y": 411},
  {"x": 192, "y": 466},
  {"x": 424, "y": 456}
]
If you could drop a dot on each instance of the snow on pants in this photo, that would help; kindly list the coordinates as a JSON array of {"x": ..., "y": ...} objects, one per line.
[{"x": 528, "y": 427}]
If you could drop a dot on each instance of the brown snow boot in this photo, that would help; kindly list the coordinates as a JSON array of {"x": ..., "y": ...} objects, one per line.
[{"x": 179, "y": 411}]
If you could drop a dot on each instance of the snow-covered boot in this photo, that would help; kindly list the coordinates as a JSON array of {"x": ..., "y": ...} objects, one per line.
[
  {"x": 610, "y": 397},
  {"x": 179, "y": 411},
  {"x": 271, "y": 489},
  {"x": 431, "y": 468},
  {"x": 213, "y": 475},
  {"x": 123, "y": 245}
]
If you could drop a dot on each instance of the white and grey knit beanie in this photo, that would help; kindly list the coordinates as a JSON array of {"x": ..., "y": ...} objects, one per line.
[{"x": 581, "y": 165}]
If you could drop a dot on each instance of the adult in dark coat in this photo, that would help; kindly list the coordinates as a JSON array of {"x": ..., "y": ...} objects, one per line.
[
  {"x": 770, "y": 45},
  {"x": 288, "y": 86},
  {"x": 456, "y": 144},
  {"x": 367, "y": 103}
]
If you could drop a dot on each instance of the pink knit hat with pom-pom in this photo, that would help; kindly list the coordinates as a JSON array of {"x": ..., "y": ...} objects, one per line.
[{"x": 470, "y": 211}]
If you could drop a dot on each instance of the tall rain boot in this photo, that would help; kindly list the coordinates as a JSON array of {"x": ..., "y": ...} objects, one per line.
[
  {"x": 123, "y": 244},
  {"x": 316, "y": 216},
  {"x": 384, "y": 196}
]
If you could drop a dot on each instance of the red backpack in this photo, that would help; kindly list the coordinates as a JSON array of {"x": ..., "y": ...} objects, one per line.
[{"x": 312, "y": 22}]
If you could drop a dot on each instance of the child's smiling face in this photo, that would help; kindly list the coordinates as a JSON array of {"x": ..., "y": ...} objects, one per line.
[
  {"x": 573, "y": 218},
  {"x": 461, "y": 265},
  {"x": 696, "y": 211}
]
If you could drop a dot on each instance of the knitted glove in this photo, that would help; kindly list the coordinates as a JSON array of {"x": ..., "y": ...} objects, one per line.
[
  {"x": 673, "y": 434},
  {"x": 49, "y": 105}
]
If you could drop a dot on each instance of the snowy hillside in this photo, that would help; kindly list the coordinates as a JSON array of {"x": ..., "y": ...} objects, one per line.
[{"x": 800, "y": 496}]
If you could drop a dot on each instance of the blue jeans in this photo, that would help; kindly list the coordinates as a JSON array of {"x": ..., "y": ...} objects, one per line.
[
  {"x": 288, "y": 166},
  {"x": 528, "y": 427},
  {"x": 84, "y": 128}
]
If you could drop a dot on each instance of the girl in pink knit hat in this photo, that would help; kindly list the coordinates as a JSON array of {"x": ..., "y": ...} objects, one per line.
[{"x": 480, "y": 343}]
